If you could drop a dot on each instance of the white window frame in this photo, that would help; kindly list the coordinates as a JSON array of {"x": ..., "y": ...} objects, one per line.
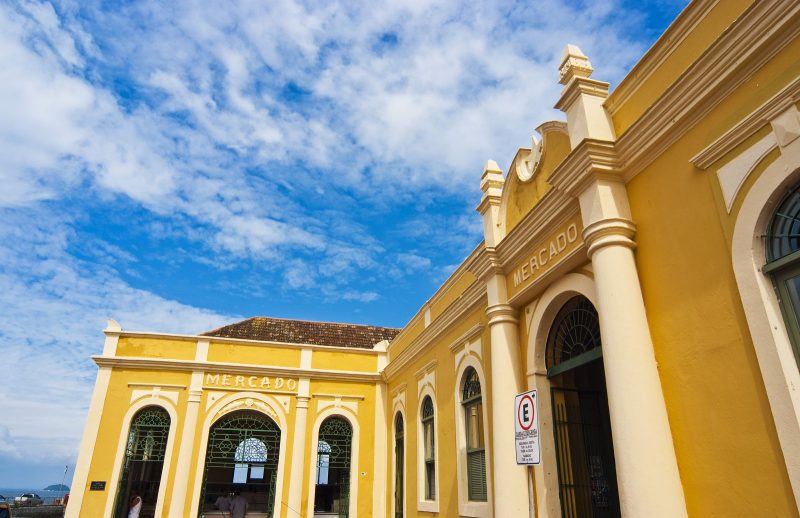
[
  {"x": 426, "y": 386},
  {"x": 399, "y": 407},
  {"x": 470, "y": 356}
]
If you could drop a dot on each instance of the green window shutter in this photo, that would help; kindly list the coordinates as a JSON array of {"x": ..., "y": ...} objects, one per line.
[{"x": 476, "y": 475}]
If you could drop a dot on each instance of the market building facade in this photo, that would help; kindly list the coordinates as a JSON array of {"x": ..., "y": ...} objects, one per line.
[{"x": 640, "y": 270}]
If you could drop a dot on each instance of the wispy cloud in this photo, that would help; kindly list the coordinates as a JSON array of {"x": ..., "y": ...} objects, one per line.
[{"x": 318, "y": 159}]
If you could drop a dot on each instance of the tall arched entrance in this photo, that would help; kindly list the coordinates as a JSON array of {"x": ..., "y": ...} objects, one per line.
[
  {"x": 242, "y": 457},
  {"x": 332, "y": 484},
  {"x": 144, "y": 461},
  {"x": 584, "y": 452}
]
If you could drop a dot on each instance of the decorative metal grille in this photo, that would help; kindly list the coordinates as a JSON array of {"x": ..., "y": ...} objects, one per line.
[
  {"x": 147, "y": 440},
  {"x": 576, "y": 330},
  {"x": 472, "y": 386},
  {"x": 247, "y": 441},
  {"x": 335, "y": 444},
  {"x": 338, "y": 435},
  {"x": 399, "y": 459},
  {"x": 241, "y": 436},
  {"x": 144, "y": 457},
  {"x": 398, "y": 425},
  {"x": 783, "y": 236}
]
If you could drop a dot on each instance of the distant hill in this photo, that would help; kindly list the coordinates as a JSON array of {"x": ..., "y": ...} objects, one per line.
[{"x": 56, "y": 487}]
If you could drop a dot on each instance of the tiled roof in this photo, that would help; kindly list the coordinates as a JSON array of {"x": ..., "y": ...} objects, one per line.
[{"x": 305, "y": 332}]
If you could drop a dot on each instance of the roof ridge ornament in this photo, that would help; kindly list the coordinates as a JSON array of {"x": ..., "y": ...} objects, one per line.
[{"x": 574, "y": 63}]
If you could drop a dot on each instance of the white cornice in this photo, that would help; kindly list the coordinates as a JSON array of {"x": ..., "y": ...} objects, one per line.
[
  {"x": 762, "y": 31},
  {"x": 243, "y": 341},
  {"x": 749, "y": 125},
  {"x": 471, "y": 297},
  {"x": 666, "y": 44},
  {"x": 466, "y": 337},
  {"x": 224, "y": 367}
]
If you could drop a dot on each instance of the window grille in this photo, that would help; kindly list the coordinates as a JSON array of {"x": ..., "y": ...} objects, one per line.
[
  {"x": 429, "y": 448},
  {"x": 335, "y": 443},
  {"x": 783, "y": 236},
  {"x": 574, "y": 338},
  {"x": 399, "y": 457},
  {"x": 476, "y": 450}
]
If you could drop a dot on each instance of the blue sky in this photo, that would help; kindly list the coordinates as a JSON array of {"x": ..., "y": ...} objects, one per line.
[{"x": 179, "y": 165}]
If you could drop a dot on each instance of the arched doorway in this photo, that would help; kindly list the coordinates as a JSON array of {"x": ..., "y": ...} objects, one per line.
[
  {"x": 242, "y": 456},
  {"x": 144, "y": 461},
  {"x": 399, "y": 465},
  {"x": 584, "y": 451},
  {"x": 332, "y": 484}
]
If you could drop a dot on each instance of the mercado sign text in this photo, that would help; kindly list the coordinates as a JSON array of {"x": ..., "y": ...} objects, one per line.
[
  {"x": 251, "y": 382},
  {"x": 548, "y": 252}
]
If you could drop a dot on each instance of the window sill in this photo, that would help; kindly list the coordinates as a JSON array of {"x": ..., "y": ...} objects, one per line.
[
  {"x": 475, "y": 509},
  {"x": 428, "y": 506}
]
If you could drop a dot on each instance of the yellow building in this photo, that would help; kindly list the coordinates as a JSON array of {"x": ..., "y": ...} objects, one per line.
[{"x": 640, "y": 270}]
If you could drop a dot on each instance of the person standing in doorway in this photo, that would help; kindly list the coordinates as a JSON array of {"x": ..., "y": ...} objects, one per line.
[
  {"x": 135, "y": 505},
  {"x": 223, "y": 503},
  {"x": 238, "y": 506}
]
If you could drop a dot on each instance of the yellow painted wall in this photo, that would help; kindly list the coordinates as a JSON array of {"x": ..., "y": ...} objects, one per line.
[
  {"x": 254, "y": 354},
  {"x": 173, "y": 349},
  {"x": 730, "y": 460},
  {"x": 344, "y": 361},
  {"x": 445, "y": 415},
  {"x": 112, "y": 427}
]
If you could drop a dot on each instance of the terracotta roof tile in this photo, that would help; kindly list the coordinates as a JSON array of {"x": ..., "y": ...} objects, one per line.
[{"x": 306, "y": 332}]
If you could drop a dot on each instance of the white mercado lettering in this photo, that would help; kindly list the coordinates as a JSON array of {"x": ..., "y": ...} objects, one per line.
[
  {"x": 263, "y": 382},
  {"x": 557, "y": 245}
]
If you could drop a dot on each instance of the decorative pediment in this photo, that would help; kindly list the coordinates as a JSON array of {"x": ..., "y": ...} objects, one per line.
[{"x": 527, "y": 178}]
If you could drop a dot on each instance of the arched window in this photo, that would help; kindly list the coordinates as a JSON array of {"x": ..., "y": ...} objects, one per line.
[
  {"x": 476, "y": 450},
  {"x": 428, "y": 448},
  {"x": 242, "y": 456},
  {"x": 783, "y": 262},
  {"x": 144, "y": 460},
  {"x": 574, "y": 338},
  {"x": 399, "y": 456},
  {"x": 332, "y": 494}
]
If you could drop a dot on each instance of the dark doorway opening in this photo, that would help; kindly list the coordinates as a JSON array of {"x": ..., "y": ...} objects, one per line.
[{"x": 581, "y": 425}]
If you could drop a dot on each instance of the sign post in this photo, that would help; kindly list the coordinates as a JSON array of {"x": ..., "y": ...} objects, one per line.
[{"x": 526, "y": 427}]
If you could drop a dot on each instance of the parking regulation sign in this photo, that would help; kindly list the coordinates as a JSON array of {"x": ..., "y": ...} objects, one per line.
[{"x": 526, "y": 426}]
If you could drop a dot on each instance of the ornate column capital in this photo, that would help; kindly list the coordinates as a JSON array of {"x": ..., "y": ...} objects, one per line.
[
  {"x": 609, "y": 232},
  {"x": 502, "y": 313}
]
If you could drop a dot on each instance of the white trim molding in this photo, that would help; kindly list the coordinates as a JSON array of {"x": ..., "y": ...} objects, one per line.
[
  {"x": 465, "y": 358},
  {"x": 158, "y": 400},
  {"x": 779, "y": 370},
  {"x": 426, "y": 386},
  {"x": 348, "y": 415}
]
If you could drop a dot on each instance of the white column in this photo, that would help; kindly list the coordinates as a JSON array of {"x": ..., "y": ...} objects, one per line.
[
  {"x": 510, "y": 480},
  {"x": 180, "y": 489},
  {"x": 647, "y": 470},
  {"x": 299, "y": 449}
]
